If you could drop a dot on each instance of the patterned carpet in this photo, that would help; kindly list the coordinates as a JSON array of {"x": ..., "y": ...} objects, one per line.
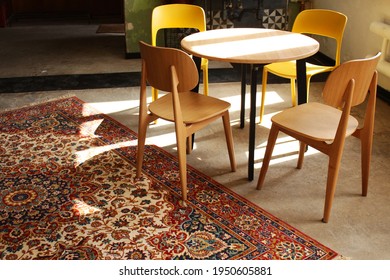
[{"x": 68, "y": 191}]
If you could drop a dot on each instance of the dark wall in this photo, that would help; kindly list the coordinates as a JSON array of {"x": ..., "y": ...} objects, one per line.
[{"x": 92, "y": 7}]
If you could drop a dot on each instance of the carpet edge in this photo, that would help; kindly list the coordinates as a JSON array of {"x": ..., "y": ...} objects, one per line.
[{"x": 336, "y": 256}]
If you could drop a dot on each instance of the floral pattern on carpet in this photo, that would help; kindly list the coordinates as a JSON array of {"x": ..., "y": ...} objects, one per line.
[{"x": 68, "y": 191}]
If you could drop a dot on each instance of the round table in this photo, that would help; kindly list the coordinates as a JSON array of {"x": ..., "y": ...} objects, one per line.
[{"x": 253, "y": 47}]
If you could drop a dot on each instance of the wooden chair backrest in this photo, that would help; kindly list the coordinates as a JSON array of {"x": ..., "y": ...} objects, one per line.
[
  {"x": 158, "y": 62},
  {"x": 361, "y": 71}
]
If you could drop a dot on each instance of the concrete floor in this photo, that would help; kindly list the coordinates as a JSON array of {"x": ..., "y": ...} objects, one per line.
[{"x": 359, "y": 227}]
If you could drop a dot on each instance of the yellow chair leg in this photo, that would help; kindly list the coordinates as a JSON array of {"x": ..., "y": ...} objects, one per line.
[
  {"x": 154, "y": 94},
  {"x": 263, "y": 90},
  {"x": 205, "y": 80},
  {"x": 293, "y": 93}
]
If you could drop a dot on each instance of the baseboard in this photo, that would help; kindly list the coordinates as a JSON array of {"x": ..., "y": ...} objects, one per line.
[{"x": 133, "y": 55}]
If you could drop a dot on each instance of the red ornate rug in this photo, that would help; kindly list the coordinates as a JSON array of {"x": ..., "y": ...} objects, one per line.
[{"x": 68, "y": 191}]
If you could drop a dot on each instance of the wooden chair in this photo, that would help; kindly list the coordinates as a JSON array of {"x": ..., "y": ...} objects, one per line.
[
  {"x": 326, "y": 23},
  {"x": 180, "y": 16},
  {"x": 173, "y": 71},
  {"x": 325, "y": 127}
]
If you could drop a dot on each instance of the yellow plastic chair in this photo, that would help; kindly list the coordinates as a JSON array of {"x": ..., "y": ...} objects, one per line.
[
  {"x": 180, "y": 16},
  {"x": 325, "y": 127},
  {"x": 174, "y": 71},
  {"x": 326, "y": 23}
]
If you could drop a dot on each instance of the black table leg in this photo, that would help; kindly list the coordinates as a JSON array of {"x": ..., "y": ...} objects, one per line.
[
  {"x": 302, "y": 98},
  {"x": 197, "y": 61},
  {"x": 252, "y": 122},
  {"x": 301, "y": 81},
  {"x": 243, "y": 93}
]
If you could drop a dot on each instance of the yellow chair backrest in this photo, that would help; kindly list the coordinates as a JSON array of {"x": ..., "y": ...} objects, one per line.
[
  {"x": 177, "y": 16},
  {"x": 322, "y": 22}
]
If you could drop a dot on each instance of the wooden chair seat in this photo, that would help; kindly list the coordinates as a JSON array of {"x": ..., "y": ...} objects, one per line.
[
  {"x": 314, "y": 120},
  {"x": 206, "y": 108}
]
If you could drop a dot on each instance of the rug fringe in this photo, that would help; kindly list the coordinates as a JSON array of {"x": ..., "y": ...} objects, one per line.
[{"x": 39, "y": 102}]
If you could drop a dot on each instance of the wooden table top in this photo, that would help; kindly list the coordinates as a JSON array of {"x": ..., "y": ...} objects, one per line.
[{"x": 250, "y": 45}]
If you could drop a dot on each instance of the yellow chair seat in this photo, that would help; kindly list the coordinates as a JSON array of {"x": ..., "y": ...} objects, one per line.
[{"x": 288, "y": 69}]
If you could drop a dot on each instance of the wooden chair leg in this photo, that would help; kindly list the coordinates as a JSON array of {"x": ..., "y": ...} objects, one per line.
[
  {"x": 181, "y": 149},
  {"x": 273, "y": 135},
  {"x": 189, "y": 145},
  {"x": 333, "y": 172},
  {"x": 263, "y": 91},
  {"x": 302, "y": 150},
  {"x": 366, "y": 135},
  {"x": 181, "y": 139},
  {"x": 366, "y": 148},
  {"x": 141, "y": 147},
  {"x": 229, "y": 140}
]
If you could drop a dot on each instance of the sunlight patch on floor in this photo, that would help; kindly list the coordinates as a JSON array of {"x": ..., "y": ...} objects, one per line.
[
  {"x": 83, "y": 208},
  {"x": 85, "y": 155},
  {"x": 163, "y": 140},
  {"x": 286, "y": 149},
  {"x": 109, "y": 107}
]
